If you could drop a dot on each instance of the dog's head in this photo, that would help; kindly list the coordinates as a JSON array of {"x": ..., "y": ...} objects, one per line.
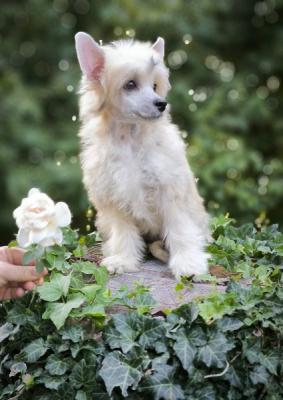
[{"x": 127, "y": 78}]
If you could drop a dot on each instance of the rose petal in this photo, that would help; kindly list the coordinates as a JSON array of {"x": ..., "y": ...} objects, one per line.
[
  {"x": 63, "y": 214},
  {"x": 23, "y": 238},
  {"x": 56, "y": 238},
  {"x": 36, "y": 236},
  {"x": 33, "y": 191}
]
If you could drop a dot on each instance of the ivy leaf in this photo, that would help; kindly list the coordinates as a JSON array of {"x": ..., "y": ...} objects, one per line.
[
  {"x": 55, "y": 366},
  {"x": 259, "y": 375},
  {"x": 233, "y": 377},
  {"x": 7, "y": 330},
  {"x": 85, "y": 267},
  {"x": 270, "y": 361},
  {"x": 216, "y": 305},
  {"x": 152, "y": 329},
  {"x": 57, "y": 286},
  {"x": 229, "y": 324},
  {"x": 81, "y": 395},
  {"x": 252, "y": 352},
  {"x": 144, "y": 302},
  {"x": 34, "y": 253},
  {"x": 73, "y": 333},
  {"x": 90, "y": 291},
  {"x": 52, "y": 382},
  {"x": 21, "y": 315},
  {"x": 83, "y": 374},
  {"x": 127, "y": 330},
  {"x": 101, "y": 275},
  {"x": 205, "y": 393},
  {"x": 58, "y": 312},
  {"x": 214, "y": 352},
  {"x": 35, "y": 350},
  {"x": 91, "y": 310},
  {"x": 162, "y": 384},
  {"x": 116, "y": 372},
  {"x": 185, "y": 352},
  {"x": 17, "y": 368}
]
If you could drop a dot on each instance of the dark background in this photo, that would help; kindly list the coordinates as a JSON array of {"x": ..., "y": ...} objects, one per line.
[{"x": 226, "y": 61}]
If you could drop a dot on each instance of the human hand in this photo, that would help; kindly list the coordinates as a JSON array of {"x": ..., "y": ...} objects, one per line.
[{"x": 15, "y": 278}]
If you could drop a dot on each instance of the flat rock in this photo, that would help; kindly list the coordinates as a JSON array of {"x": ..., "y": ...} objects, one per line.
[{"x": 158, "y": 278}]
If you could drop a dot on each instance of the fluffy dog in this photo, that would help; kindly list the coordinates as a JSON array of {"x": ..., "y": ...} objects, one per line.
[{"x": 134, "y": 160}]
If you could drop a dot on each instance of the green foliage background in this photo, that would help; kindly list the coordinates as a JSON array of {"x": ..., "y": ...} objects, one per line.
[{"x": 226, "y": 62}]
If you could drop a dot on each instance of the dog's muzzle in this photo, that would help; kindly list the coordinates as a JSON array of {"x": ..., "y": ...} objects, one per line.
[{"x": 161, "y": 105}]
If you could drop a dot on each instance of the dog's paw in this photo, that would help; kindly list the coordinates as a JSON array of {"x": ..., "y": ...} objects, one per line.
[
  {"x": 189, "y": 264},
  {"x": 118, "y": 265}
]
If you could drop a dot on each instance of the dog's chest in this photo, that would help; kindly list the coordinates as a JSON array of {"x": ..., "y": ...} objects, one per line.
[{"x": 138, "y": 167}]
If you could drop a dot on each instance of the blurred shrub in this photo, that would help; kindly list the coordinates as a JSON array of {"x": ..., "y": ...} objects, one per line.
[{"x": 226, "y": 62}]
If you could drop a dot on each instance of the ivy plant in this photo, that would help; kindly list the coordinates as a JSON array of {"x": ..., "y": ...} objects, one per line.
[{"x": 63, "y": 341}]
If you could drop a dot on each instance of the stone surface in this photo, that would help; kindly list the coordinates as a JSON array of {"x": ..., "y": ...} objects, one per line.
[{"x": 161, "y": 282}]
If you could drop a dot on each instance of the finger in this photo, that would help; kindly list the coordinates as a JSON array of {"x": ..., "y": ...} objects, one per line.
[
  {"x": 40, "y": 281},
  {"x": 13, "y": 255},
  {"x": 19, "y": 273},
  {"x": 28, "y": 285},
  {"x": 11, "y": 293}
]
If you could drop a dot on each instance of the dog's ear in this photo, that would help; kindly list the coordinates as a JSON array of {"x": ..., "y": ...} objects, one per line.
[
  {"x": 158, "y": 46},
  {"x": 90, "y": 55}
]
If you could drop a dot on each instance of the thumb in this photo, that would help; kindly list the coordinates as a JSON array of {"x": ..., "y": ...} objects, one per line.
[{"x": 19, "y": 273}]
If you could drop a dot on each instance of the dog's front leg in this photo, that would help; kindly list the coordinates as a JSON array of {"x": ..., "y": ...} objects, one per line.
[
  {"x": 185, "y": 242},
  {"x": 123, "y": 250}
]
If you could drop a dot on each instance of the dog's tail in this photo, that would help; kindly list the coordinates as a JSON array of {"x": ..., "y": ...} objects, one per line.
[{"x": 158, "y": 251}]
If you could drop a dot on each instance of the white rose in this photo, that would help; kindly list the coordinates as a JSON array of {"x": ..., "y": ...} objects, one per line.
[{"x": 39, "y": 220}]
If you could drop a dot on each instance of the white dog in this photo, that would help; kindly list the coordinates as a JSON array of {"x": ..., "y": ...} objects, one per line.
[{"x": 134, "y": 160}]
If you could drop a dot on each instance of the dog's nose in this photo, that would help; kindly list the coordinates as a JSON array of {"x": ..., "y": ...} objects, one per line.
[{"x": 161, "y": 105}]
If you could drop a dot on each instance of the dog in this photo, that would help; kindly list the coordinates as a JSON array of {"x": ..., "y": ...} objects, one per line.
[{"x": 133, "y": 158}]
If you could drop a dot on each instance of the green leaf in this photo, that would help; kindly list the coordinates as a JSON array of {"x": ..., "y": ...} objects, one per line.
[
  {"x": 116, "y": 372},
  {"x": 162, "y": 384},
  {"x": 216, "y": 305},
  {"x": 55, "y": 258},
  {"x": 55, "y": 366},
  {"x": 205, "y": 393},
  {"x": 259, "y": 375},
  {"x": 52, "y": 382},
  {"x": 229, "y": 324},
  {"x": 90, "y": 291},
  {"x": 81, "y": 395},
  {"x": 214, "y": 352},
  {"x": 12, "y": 243},
  {"x": 57, "y": 287},
  {"x": 85, "y": 267},
  {"x": 21, "y": 315},
  {"x": 185, "y": 352},
  {"x": 33, "y": 254},
  {"x": 152, "y": 329},
  {"x": 35, "y": 350},
  {"x": 270, "y": 361},
  {"x": 101, "y": 275},
  {"x": 17, "y": 368},
  {"x": 74, "y": 333},
  {"x": 144, "y": 302},
  {"x": 127, "y": 329},
  {"x": 83, "y": 374},
  {"x": 58, "y": 312},
  {"x": 7, "y": 330},
  {"x": 91, "y": 310}
]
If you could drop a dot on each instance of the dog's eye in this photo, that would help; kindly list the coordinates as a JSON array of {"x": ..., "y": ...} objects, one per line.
[
  {"x": 155, "y": 87},
  {"x": 130, "y": 85}
]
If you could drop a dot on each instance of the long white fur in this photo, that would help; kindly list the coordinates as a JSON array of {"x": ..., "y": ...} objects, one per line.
[{"x": 134, "y": 161}]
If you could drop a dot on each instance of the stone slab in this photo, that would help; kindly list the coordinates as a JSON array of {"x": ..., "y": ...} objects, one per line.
[{"x": 162, "y": 284}]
